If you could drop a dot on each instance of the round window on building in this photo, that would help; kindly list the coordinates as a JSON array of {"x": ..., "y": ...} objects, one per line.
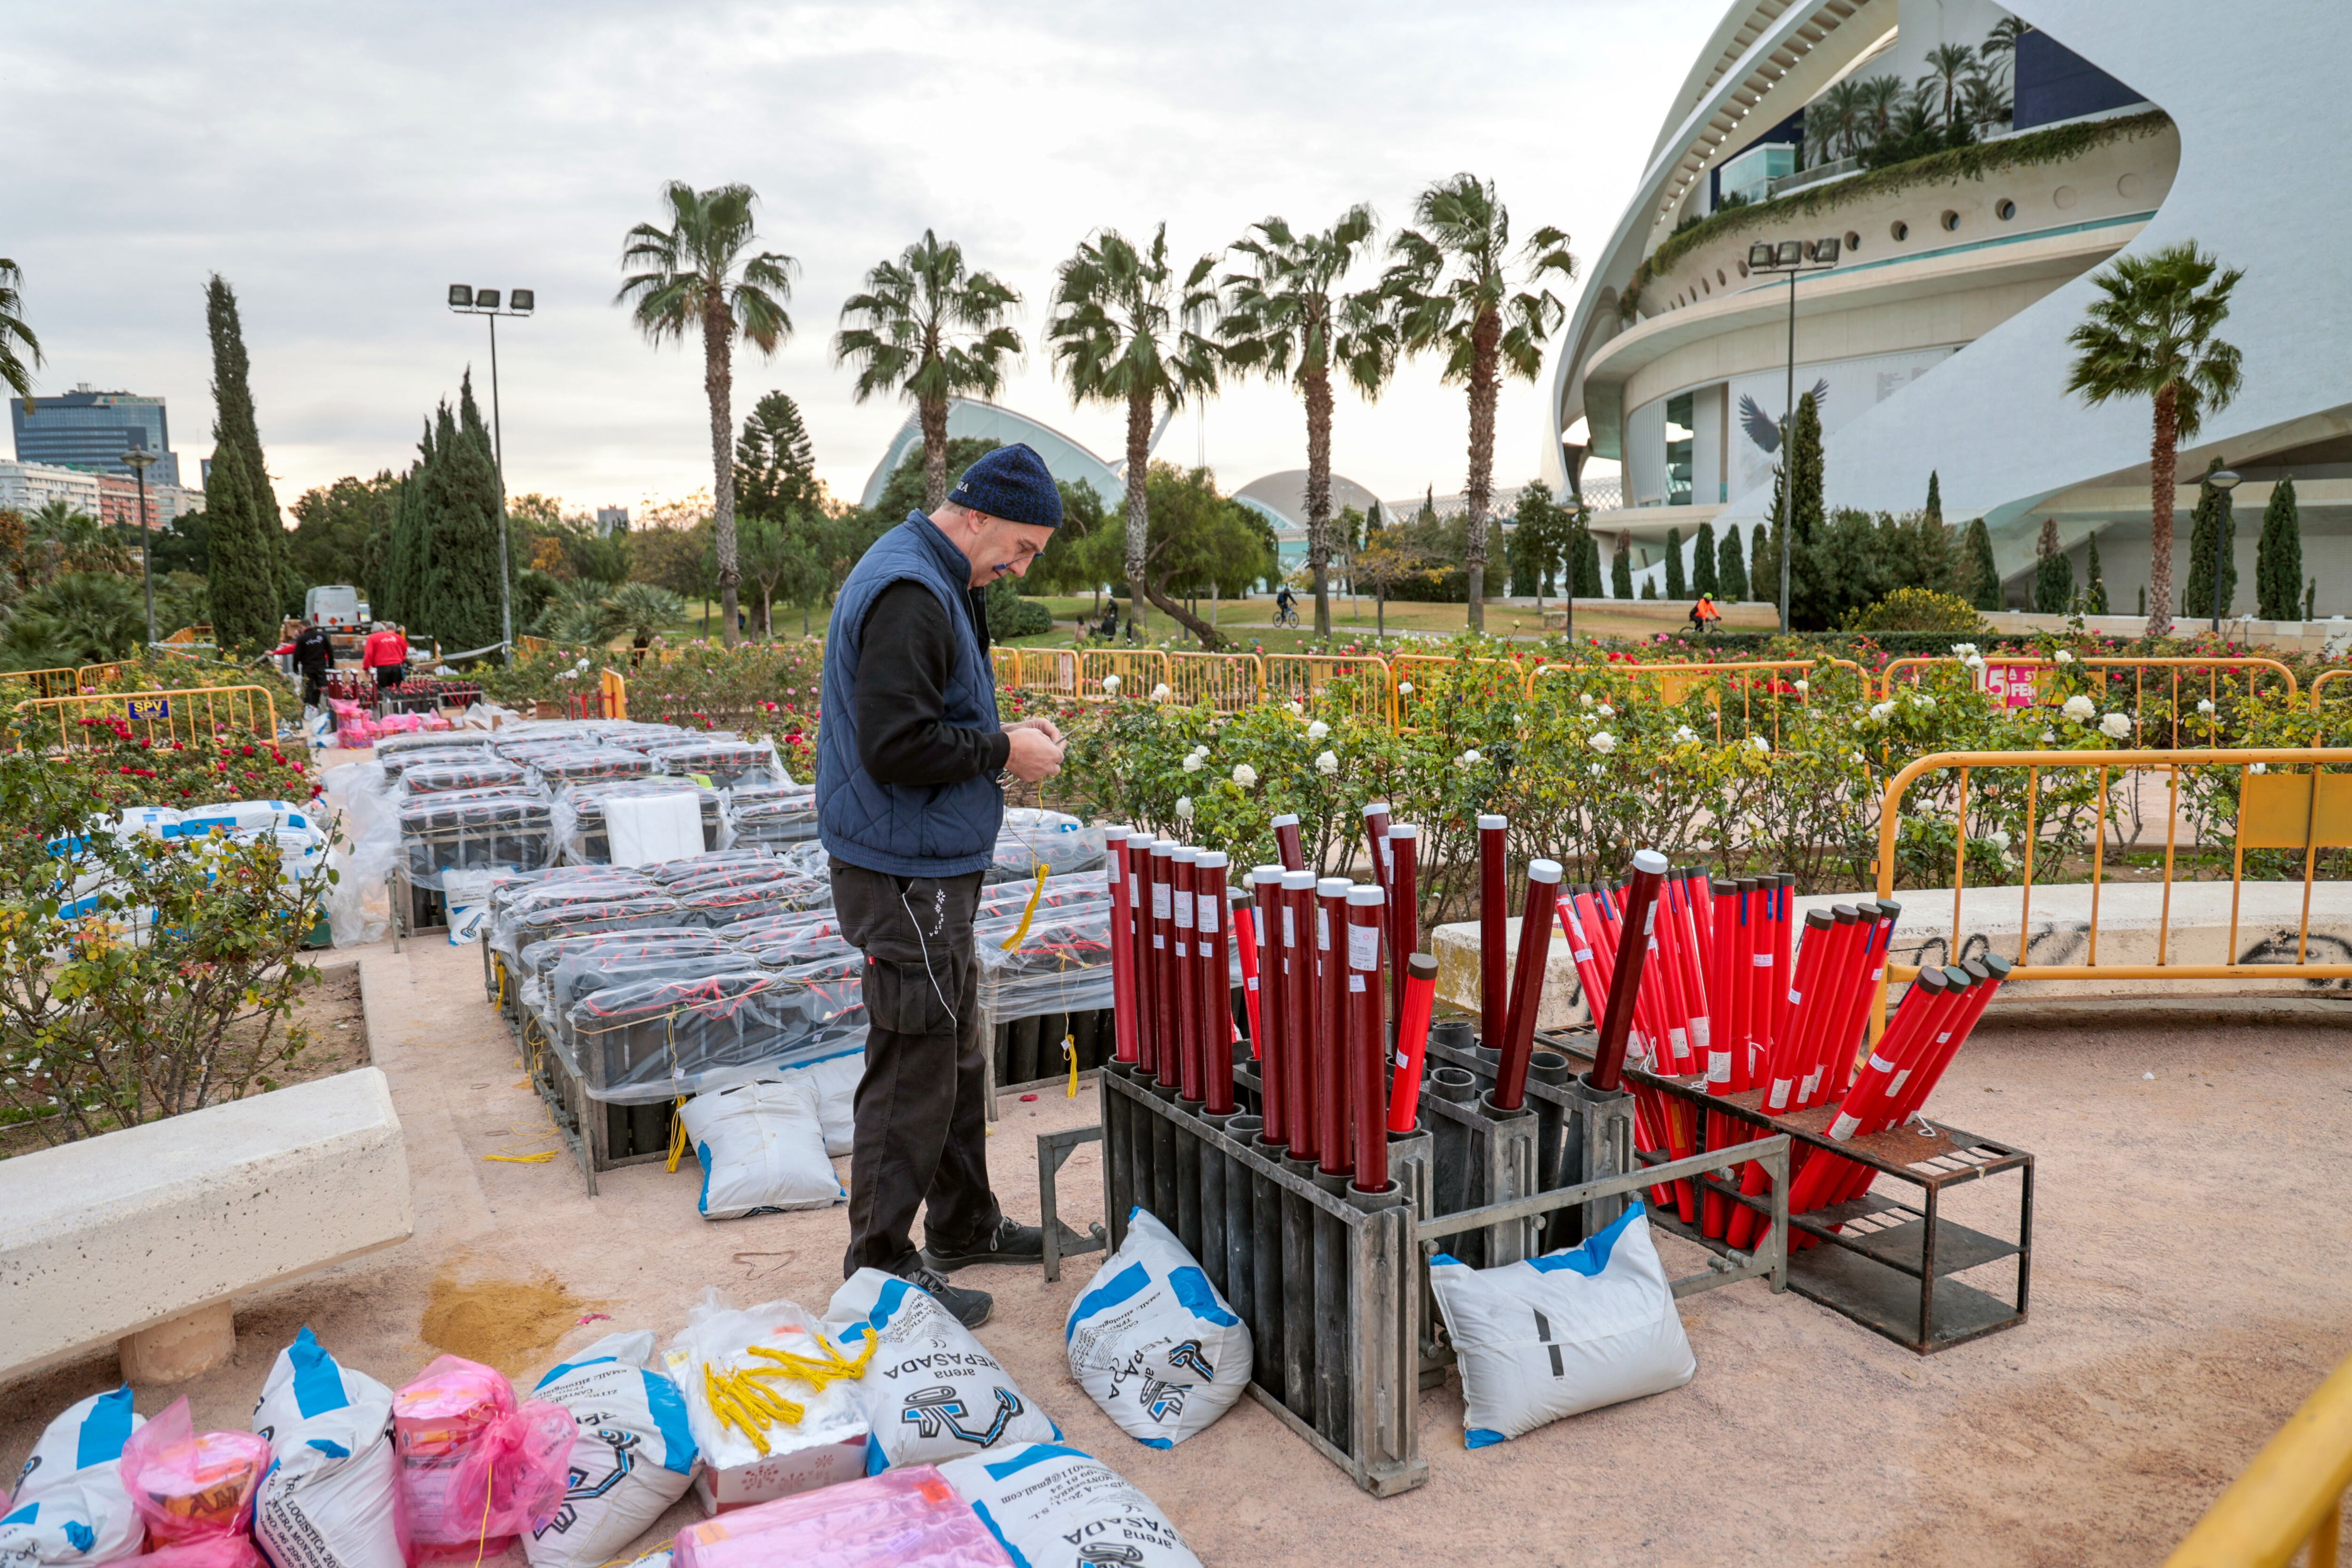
[
  {"x": 1899, "y": 231},
  {"x": 2004, "y": 209},
  {"x": 1741, "y": 267},
  {"x": 1852, "y": 242},
  {"x": 1720, "y": 277},
  {"x": 1951, "y": 221}
]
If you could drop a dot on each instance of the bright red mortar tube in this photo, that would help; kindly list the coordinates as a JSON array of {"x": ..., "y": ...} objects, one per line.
[
  {"x": 1641, "y": 903},
  {"x": 1412, "y": 1041},
  {"x": 1403, "y": 907},
  {"x": 1122, "y": 946},
  {"x": 1367, "y": 1017},
  {"x": 1273, "y": 1051}
]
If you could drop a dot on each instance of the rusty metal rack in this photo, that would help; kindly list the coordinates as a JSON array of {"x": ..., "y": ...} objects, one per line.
[{"x": 1883, "y": 1262}]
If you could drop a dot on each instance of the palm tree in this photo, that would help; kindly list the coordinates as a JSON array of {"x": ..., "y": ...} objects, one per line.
[
  {"x": 1948, "y": 65},
  {"x": 1833, "y": 121},
  {"x": 12, "y": 330},
  {"x": 1876, "y": 102},
  {"x": 1127, "y": 329},
  {"x": 1450, "y": 288},
  {"x": 2151, "y": 335},
  {"x": 1285, "y": 320},
  {"x": 929, "y": 328},
  {"x": 700, "y": 275}
]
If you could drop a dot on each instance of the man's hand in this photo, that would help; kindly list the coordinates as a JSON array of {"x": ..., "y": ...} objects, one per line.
[
  {"x": 1044, "y": 727},
  {"x": 1034, "y": 756}
]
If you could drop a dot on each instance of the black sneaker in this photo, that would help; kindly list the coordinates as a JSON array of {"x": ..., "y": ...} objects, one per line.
[
  {"x": 1011, "y": 1242},
  {"x": 970, "y": 1308}
]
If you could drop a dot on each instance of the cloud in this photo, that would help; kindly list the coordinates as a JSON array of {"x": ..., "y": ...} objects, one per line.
[{"x": 342, "y": 165}]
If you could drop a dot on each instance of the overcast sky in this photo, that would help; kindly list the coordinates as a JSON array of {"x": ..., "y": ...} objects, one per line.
[{"x": 341, "y": 165}]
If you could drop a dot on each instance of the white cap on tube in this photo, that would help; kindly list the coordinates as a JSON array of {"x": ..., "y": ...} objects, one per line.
[
  {"x": 1404, "y": 830},
  {"x": 1650, "y": 860},
  {"x": 1333, "y": 887},
  {"x": 1186, "y": 854},
  {"x": 1493, "y": 824},
  {"x": 1213, "y": 860},
  {"x": 1378, "y": 808},
  {"x": 1113, "y": 835},
  {"x": 1287, "y": 819},
  {"x": 1294, "y": 881},
  {"x": 1267, "y": 875},
  {"x": 1365, "y": 893},
  {"x": 1543, "y": 870}
]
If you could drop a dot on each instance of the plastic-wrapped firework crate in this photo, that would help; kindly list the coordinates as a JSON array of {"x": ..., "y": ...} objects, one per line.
[
  {"x": 786, "y": 941},
  {"x": 515, "y": 933},
  {"x": 1032, "y": 837},
  {"x": 720, "y": 904},
  {"x": 434, "y": 776},
  {"x": 726, "y": 764},
  {"x": 771, "y": 814},
  {"x": 392, "y": 746},
  {"x": 654, "y": 1039},
  {"x": 554, "y": 772},
  {"x": 424, "y": 758},
  {"x": 668, "y": 872},
  {"x": 440, "y": 838},
  {"x": 579, "y": 815}
]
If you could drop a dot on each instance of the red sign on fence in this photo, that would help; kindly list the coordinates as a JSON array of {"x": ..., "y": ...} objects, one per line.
[{"x": 2010, "y": 685}]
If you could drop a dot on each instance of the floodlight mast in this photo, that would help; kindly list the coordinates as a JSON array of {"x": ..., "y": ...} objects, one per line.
[
  {"x": 1791, "y": 257},
  {"x": 465, "y": 300}
]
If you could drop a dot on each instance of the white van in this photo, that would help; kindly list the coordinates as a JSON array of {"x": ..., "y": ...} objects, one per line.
[{"x": 336, "y": 607}]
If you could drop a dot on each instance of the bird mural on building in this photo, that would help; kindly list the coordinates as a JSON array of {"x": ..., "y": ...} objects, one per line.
[{"x": 1764, "y": 430}]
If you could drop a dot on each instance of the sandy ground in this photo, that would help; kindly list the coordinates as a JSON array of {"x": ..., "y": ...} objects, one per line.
[{"x": 2189, "y": 1292}]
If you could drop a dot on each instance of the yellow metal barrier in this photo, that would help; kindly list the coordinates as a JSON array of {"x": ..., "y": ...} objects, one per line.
[
  {"x": 1138, "y": 671},
  {"x": 100, "y": 676},
  {"x": 1748, "y": 679},
  {"x": 2169, "y": 672},
  {"x": 613, "y": 689},
  {"x": 2275, "y": 811},
  {"x": 1048, "y": 669},
  {"x": 1228, "y": 682},
  {"x": 2291, "y": 1495},
  {"x": 60, "y": 682},
  {"x": 1006, "y": 661},
  {"x": 1416, "y": 678},
  {"x": 1299, "y": 676},
  {"x": 159, "y": 718}
]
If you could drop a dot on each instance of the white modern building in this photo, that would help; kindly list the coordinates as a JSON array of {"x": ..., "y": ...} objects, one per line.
[
  {"x": 28, "y": 487},
  {"x": 1936, "y": 340},
  {"x": 1065, "y": 458}
]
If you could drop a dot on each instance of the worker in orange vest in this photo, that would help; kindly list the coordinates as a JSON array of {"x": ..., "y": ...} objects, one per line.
[{"x": 386, "y": 653}]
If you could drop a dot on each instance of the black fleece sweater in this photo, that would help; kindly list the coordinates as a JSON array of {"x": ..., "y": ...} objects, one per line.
[{"x": 907, "y": 652}]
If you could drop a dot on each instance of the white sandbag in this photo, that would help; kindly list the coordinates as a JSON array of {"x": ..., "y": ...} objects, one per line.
[
  {"x": 644, "y": 828},
  {"x": 71, "y": 1506},
  {"x": 633, "y": 1457},
  {"x": 761, "y": 1149},
  {"x": 827, "y": 1445},
  {"x": 1052, "y": 1506},
  {"x": 835, "y": 1080},
  {"x": 1151, "y": 1341},
  {"x": 332, "y": 1497},
  {"x": 155, "y": 821},
  {"x": 1563, "y": 1333},
  {"x": 248, "y": 815},
  {"x": 932, "y": 1393}
]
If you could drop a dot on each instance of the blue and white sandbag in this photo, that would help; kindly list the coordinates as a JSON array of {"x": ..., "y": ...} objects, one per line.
[
  {"x": 932, "y": 1393},
  {"x": 1153, "y": 1343},
  {"x": 1563, "y": 1334},
  {"x": 633, "y": 1456},
  {"x": 1052, "y": 1506},
  {"x": 70, "y": 1505},
  {"x": 835, "y": 1079},
  {"x": 331, "y": 1495},
  {"x": 236, "y": 817},
  {"x": 761, "y": 1149}
]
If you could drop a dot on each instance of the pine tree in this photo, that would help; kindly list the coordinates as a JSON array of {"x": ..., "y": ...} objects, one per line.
[
  {"x": 1675, "y": 587},
  {"x": 234, "y": 424},
  {"x": 2278, "y": 557},
  {"x": 2212, "y": 530},
  {"x": 238, "y": 577},
  {"x": 1976, "y": 555},
  {"x": 1704, "y": 578},
  {"x": 1621, "y": 570},
  {"x": 2053, "y": 574},
  {"x": 775, "y": 466},
  {"x": 1730, "y": 571},
  {"x": 2095, "y": 589}
]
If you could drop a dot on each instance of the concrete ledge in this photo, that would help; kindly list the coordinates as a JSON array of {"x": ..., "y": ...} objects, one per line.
[
  {"x": 108, "y": 1238},
  {"x": 2131, "y": 914}
]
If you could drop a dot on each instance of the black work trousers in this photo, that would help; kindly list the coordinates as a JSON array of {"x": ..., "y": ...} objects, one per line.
[{"x": 922, "y": 1124}]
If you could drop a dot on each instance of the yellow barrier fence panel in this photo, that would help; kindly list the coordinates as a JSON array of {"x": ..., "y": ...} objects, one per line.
[
  {"x": 104, "y": 676},
  {"x": 2157, "y": 692},
  {"x": 22, "y": 683},
  {"x": 2291, "y": 1495},
  {"x": 160, "y": 718},
  {"x": 612, "y": 690},
  {"x": 1228, "y": 682},
  {"x": 1421, "y": 682},
  {"x": 1139, "y": 672},
  {"x": 1363, "y": 678},
  {"x": 1053, "y": 670}
]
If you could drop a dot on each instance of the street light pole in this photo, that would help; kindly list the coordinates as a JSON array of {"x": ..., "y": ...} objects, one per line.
[
  {"x": 139, "y": 457},
  {"x": 467, "y": 300},
  {"x": 1791, "y": 257},
  {"x": 2225, "y": 480}
]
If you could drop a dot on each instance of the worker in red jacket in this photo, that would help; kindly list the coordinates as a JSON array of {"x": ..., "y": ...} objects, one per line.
[{"x": 386, "y": 653}]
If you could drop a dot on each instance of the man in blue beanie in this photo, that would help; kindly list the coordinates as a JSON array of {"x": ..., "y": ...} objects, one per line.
[{"x": 908, "y": 755}]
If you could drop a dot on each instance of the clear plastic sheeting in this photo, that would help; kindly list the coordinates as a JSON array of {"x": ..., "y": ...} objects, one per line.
[
  {"x": 724, "y": 903},
  {"x": 694, "y": 866},
  {"x": 476, "y": 771},
  {"x": 399, "y": 764},
  {"x": 1062, "y": 963},
  {"x": 439, "y": 836},
  {"x": 635, "y": 959},
  {"x": 526, "y": 925},
  {"x": 359, "y": 904},
  {"x": 1060, "y": 892},
  {"x": 641, "y": 1043},
  {"x": 726, "y": 763},
  {"x": 392, "y": 746},
  {"x": 1032, "y": 837},
  {"x": 579, "y": 817},
  {"x": 776, "y": 942},
  {"x": 554, "y": 771},
  {"x": 771, "y": 814}
]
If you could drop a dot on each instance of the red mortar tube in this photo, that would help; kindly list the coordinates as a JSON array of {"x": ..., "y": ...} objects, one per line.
[
  {"x": 1581, "y": 953},
  {"x": 1376, "y": 835},
  {"x": 1368, "y": 1030},
  {"x": 1139, "y": 917},
  {"x": 1493, "y": 987},
  {"x": 1160, "y": 1022},
  {"x": 1698, "y": 889},
  {"x": 1784, "y": 935},
  {"x": 1412, "y": 1041},
  {"x": 1403, "y": 907},
  {"x": 1641, "y": 900},
  {"x": 1216, "y": 983},
  {"x": 1187, "y": 1054},
  {"x": 1286, "y": 846},
  {"x": 1908, "y": 1090},
  {"x": 1298, "y": 1008},
  {"x": 1330, "y": 1028},
  {"x": 1271, "y": 1037},
  {"x": 1723, "y": 1024},
  {"x": 1814, "y": 1185},
  {"x": 1527, "y": 982},
  {"x": 1122, "y": 945},
  {"x": 1833, "y": 1053}
]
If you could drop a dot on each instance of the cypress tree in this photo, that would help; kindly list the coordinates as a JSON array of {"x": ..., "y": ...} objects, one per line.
[
  {"x": 2095, "y": 590},
  {"x": 2278, "y": 557},
  {"x": 237, "y": 566},
  {"x": 1804, "y": 466},
  {"x": 1620, "y": 571},
  {"x": 2053, "y": 574},
  {"x": 457, "y": 591},
  {"x": 404, "y": 560},
  {"x": 1587, "y": 560},
  {"x": 1730, "y": 571},
  {"x": 1676, "y": 588},
  {"x": 1976, "y": 558},
  {"x": 1704, "y": 578},
  {"x": 234, "y": 424},
  {"x": 2211, "y": 531},
  {"x": 1933, "y": 511}
]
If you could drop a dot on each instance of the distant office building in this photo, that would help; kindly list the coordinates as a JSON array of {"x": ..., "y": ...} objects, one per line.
[
  {"x": 91, "y": 430},
  {"x": 612, "y": 519},
  {"x": 28, "y": 487}
]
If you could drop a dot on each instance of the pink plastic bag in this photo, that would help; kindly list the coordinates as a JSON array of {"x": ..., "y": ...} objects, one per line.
[
  {"x": 476, "y": 1465},
  {"x": 193, "y": 1491},
  {"x": 908, "y": 1515}
]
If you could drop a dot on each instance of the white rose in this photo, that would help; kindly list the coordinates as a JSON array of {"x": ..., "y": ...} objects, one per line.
[
  {"x": 1603, "y": 743},
  {"x": 1964, "y": 648},
  {"x": 1404, "y": 688},
  {"x": 1759, "y": 743},
  {"x": 1110, "y": 684},
  {"x": 1685, "y": 735},
  {"x": 2204, "y": 705},
  {"x": 1926, "y": 704},
  {"x": 1201, "y": 750},
  {"x": 2079, "y": 709},
  {"x": 1159, "y": 692},
  {"x": 1297, "y": 707},
  {"x": 1999, "y": 839},
  {"x": 2048, "y": 736},
  {"x": 1184, "y": 806},
  {"x": 582, "y": 665},
  {"x": 1803, "y": 686},
  {"x": 1327, "y": 764},
  {"x": 1883, "y": 711},
  {"x": 1606, "y": 712},
  {"x": 1584, "y": 699},
  {"x": 1595, "y": 769},
  {"x": 1193, "y": 764},
  {"x": 1974, "y": 661},
  {"x": 1317, "y": 729},
  {"x": 1245, "y": 777},
  {"x": 2258, "y": 767},
  {"x": 1470, "y": 758},
  {"x": 2064, "y": 656},
  {"x": 2116, "y": 726},
  {"x": 1861, "y": 761}
]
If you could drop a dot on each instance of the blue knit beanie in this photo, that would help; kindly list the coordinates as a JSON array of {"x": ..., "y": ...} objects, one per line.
[{"x": 1011, "y": 482}]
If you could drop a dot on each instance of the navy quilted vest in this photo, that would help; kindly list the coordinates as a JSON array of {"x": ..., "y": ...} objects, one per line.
[{"x": 932, "y": 830}]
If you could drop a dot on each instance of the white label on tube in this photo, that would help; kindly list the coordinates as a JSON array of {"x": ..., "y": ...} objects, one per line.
[
  {"x": 1134, "y": 889},
  {"x": 1649, "y": 919},
  {"x": 1355, "y": 983},
  {"x": 1781, "y": 1087},
  {"x": 1880, "y": 1063},
  {"x": 1207, "y": 920},
  {"x": 1160, "y": 901},
  {"x": 1251, "y": 983},
  {"x": 1323, "y": 929},
  {"x": 1812, "y": 1081},
  {"x": 1681, "y": 1041},
  {"x": 1795, "y": 997},
  {"x": 1363, "y": 947},
  {"x": 1896, "y": 1086},
  {"x": 1290, "y": 927},
  {"x": 1718, "y": 1066},
  {"x": 1702, "y": 1031},
  {"x": 1184, "y": 911},
  {"x": 1843, "y": 1128},
  {"x": 1583, "y": 955},
  {"x": 1183, "y": 949},
  {"x": 1876, "y": 975},
  {"x": 1761, "y": 960},
  {"x": 1944, "y": 1037},
  {"x": 1158, "y": 939}
]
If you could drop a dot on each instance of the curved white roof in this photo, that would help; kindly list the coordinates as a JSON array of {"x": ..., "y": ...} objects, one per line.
[{"x": 1065, "y": 459}]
